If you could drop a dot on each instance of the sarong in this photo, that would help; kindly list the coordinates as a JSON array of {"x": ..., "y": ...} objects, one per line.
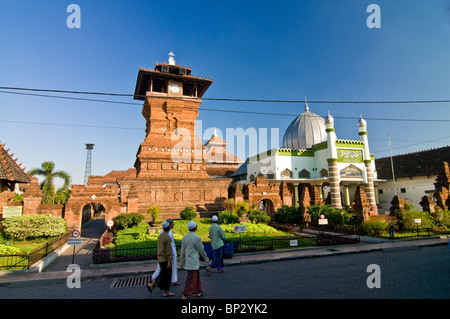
[
  {"x": 165, "y": 276},
  {"x": 193, "y": 284},
  {"x": 217, "y": 258}
]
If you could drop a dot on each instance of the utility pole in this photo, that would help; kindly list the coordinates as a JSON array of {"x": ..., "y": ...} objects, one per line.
[{"x": 392, "y": 165}]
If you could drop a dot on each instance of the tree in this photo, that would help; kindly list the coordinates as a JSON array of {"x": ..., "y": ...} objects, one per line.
[{"x": 47, "y": 186}]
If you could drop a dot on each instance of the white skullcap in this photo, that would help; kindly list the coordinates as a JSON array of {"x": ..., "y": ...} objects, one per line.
[
  {"x": 214, "y": 218},
  {"x": 165, "y": 224},
  {"x": 191, "y": 225}
]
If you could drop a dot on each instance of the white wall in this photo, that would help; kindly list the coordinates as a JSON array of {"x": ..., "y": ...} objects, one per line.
[{"x": 414, "y": 189}]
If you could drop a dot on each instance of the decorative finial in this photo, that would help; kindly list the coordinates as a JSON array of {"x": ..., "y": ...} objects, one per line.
[
  {"x": 215, "y": 132},
  {"x": 329, "y": 117},
  {"x": 171, "y": 58},
  {"x": 306, "y": 105},
  {"x": 361, "y": 121}
]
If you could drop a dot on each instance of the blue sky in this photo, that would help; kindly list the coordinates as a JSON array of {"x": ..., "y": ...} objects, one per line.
[{"x": 285, "y": 50}]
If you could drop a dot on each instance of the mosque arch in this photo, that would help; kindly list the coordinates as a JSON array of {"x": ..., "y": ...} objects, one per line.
[
  {"x": 286, "y": 173},
  {"x": 351, "y": 171},
  {"x": 304, "y": 173}
]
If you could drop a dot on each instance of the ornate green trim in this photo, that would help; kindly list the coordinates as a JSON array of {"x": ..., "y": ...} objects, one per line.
[
  {"x": 320, "y": 146},
  {"x": 328, "y": 130},
  {"x": 362, "y": 133},
  {"x": 332, "y": 160},
  {"x": 289, "y": 152},
  {"x": 349, "y": 143}
]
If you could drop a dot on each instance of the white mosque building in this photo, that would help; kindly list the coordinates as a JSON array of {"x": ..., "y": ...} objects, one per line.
[{"x": 313, "y": 155}]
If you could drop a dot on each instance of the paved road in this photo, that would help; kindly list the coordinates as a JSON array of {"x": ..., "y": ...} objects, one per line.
[{"x": 406, "y": 273}]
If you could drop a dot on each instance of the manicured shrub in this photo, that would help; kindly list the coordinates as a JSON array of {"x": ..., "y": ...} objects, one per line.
[
  {"x": 33, "y": 226},
  {"x": 288, "y": 215},
  {"x": 154, "y": 212},
  {"x": 334, "y": 216},
  {"x": 258, "y": 216},
  {"x": 374, "y": 227},
  {"x": 226, "y": 217},
  {"x": 242, "y": 208},
  {"x": 188, "y": 213},
  {"x": 124, "y": 220},
  {"x": 10, "y": 250}
]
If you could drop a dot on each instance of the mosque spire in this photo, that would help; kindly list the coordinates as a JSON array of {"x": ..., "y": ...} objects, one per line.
[{"x": 171, "y": 58}]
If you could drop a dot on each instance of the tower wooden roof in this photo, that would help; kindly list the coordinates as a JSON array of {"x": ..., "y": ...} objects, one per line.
[{"x": 9, "y": 169}]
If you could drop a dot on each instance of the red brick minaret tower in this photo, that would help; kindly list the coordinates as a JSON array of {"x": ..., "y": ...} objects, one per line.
[{"x": 171, "y": 148}]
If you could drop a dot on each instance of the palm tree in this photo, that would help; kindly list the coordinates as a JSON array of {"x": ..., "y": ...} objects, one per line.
[{"x": 47, "y": 187}]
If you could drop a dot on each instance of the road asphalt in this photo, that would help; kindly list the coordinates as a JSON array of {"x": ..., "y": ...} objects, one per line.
[{"x": 57, "y": 269}]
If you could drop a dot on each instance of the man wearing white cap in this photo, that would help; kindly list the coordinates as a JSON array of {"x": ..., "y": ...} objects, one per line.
[
  {"x": 164, "y": 254},
  {"x": 217, "y": 236},
  {"x": 191, "y": 249},
  {"x": 174, "y": 280}
]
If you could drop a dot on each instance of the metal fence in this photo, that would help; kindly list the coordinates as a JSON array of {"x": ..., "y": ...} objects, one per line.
[
  {"x": 244, "y": 245},
  {"x": 375, "y": 232},
  {"x": 24, "y": 261},
  {"x": 401, "y": 233}
]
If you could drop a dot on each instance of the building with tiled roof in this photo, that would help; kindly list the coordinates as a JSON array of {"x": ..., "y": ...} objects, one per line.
[
  {"x": 219, "y": 162},
  {"x": 415, "y": 174},
  {"x": 11, "y": 173},
  {"x": 111, "y": 177}
]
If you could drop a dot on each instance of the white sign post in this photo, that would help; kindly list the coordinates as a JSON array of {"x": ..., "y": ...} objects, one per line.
[
  {"x": 417, "y": 221},
  {"x": 75, "y": 240},
  {"x": 239, "y": 229},
  {"x": 110, "y": 223}
]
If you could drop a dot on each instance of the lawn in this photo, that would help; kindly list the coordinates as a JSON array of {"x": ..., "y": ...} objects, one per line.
[
  {"x": 138, "y": 237},
  {"x": 25, "y": 246}
]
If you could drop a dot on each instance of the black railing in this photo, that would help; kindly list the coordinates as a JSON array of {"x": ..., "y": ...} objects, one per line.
[
  {"x": 358, "y": 230},
  {"x": 400, "y": 233},
  {"x": 24, "y": 261},
  {"x": 104, "y": 255}
]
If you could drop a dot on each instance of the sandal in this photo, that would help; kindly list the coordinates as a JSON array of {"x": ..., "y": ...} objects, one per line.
[
  {"x": 208, "y": 271},
  {"x": 150, "y": 288},
  {"x": 170, "y": 294},
  {"x": 200, "y": 294}
]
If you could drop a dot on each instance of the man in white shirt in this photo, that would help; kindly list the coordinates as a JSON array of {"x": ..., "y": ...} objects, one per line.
[{"x": 174, "y": 280}]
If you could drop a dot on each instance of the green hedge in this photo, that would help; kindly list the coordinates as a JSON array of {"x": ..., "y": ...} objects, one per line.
[
  {"x": 188, "y": 213},
  {"x": 124, "y": 220},
  {"x": 258, "y": 216},
  {"x": 288, "y": 215},
  {"x": 33, "y": 226},
  {"x": 333, "y": 215}
]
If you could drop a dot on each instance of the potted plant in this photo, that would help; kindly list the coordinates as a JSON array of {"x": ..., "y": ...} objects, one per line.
[{"x": 154, "y": 212}]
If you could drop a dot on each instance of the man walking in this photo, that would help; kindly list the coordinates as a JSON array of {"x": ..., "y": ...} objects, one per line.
[
  {"x": 191, "y": 249},
  {"x": 164, "y": 254},
  {"x": 174, "y": 279},
  {"x": 217, "y": 236}
]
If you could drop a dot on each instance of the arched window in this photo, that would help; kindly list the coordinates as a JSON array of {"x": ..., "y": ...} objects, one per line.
[
  {"x": 304, "y": 174},
  {"x": 286, "y": 173},
  {"x": 323, "y": 172}
]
